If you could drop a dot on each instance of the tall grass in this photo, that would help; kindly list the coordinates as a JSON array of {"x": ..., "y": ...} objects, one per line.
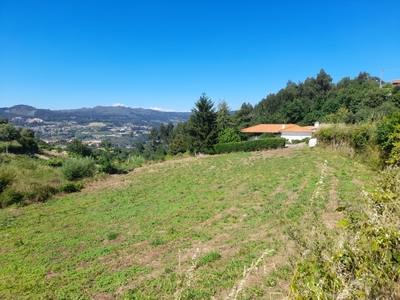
[{"x": 362, "y": 259}]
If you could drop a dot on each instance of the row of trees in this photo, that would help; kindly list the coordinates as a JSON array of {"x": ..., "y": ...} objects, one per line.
[{"x": 357, "y": 100}]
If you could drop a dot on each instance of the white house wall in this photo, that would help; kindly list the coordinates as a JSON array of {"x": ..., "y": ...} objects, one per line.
[{"x": 296, "y": 135}]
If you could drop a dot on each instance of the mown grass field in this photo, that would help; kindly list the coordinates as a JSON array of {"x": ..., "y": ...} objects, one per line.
[{"x": 196, "y": 228}]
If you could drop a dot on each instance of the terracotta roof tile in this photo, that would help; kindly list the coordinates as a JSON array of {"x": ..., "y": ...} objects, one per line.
[
  {"x": 269, "y": 128},
  {"x": 297, "y": 128},
  {"x": 277, "y": 128}
]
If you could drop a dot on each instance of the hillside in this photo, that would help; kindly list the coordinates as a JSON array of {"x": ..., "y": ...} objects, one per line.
[
  {"x": 112, "y": 114},
  {"x": 193, "y": 228}
]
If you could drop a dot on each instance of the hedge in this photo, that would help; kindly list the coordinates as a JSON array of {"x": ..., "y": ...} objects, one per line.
[{"x": 271, "y": 143}]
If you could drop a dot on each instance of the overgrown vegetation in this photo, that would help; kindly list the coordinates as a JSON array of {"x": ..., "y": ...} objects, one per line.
[{"x": 362, "y": 259}]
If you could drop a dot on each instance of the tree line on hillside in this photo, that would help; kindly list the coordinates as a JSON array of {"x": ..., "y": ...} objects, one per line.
[{"x": 350, "y": 101}]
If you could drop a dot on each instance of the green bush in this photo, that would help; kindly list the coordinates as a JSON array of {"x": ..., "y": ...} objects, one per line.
[
  {"x": 11, "y": 196},
  {"x": 271, "y": 143},
  {"x": 108, "y": 167},
  {"x": 358, "y": 137},
  {"x": 70, "y": 187},
  {"x": 361, "y": 136},
  {"x": 7, "y": 176},
  {"x": 78, "y": 168},
  {"x": 228, "y": 135},
  {"x": 42, "y": 193},
  {"x": 54, "y": 162},
  {"x": 388, "y": 135}
]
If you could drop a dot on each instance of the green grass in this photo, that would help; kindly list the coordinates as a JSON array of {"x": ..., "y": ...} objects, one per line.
[{"x": 184, "y": 228}]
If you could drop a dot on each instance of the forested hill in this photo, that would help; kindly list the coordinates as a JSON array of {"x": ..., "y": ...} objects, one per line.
[
  {"x": 318, "y": 99},
  {"x": 113, "y": 114}
]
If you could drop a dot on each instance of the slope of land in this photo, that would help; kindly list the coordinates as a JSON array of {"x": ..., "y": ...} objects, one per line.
[{"x": 198, "y": 228}]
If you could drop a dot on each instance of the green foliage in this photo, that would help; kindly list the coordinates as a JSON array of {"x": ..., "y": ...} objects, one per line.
[
  {"x": 388, "y": 137},
  {"x": 202, "y": 124},
  {"x": 78, "y": 168},
  {"x": 78, "y": 149},
  {"x": 363, "y": 262},
  {"x": 361, "y": 136},
  {"x": 11, "y": 196},
  {"x": 228, "y": 135},
  {"x": 267, "y": 135},
  {"x": 224, "y": 119},
  {"x": 356, "y": 136},
  {"x": 54, "y": 162},
  {"x": 29, "y": 145},
  {"x": 208, "y": 258},
  {"x": 112, "y": 236},
  {"x": 7, "y": 176},
  {"x": 256, "y": 145},
  {"x": 157, "y": 242},
  {"x": 8, "y": 132},
  {"x": 70, "y": 187}
]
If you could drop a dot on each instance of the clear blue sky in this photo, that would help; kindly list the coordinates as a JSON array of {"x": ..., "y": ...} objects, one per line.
[{"x": 159, "y": 53}]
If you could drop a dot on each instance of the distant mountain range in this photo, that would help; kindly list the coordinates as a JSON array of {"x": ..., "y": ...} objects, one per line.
[{"x": 21, "y": 114}]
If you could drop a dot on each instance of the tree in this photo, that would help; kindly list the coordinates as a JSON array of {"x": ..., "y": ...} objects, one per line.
[
  {"x": 78, "y": 148},
  {"x": 202, "y": 123},
  {"x": 8, "y": 133},
  {"x": 244, "y": 116},
  {"x": 324, "y": 81},
  {"x": 4, "y": 121},
  {"x": 223, "y": 118}
]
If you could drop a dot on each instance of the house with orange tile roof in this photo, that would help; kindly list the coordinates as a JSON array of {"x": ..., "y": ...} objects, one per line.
[
  {"x": 288, "y": 131},
  {"x": 395, "y": 82}
]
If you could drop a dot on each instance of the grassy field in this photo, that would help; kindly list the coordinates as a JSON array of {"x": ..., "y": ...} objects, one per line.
[{"x": 210, "y": 227}]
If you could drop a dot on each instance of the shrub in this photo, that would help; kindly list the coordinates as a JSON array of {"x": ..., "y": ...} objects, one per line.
[
  {"x": 271, "y": 143},
  {"x": 363, "y": 260},
  {"x": 360, "y": 137},
  {"x": 11, "y": 196},
  {"x": 79, "y": 149},
  {"x": 108, "y": 167},
  {"x": 54, "y": 162},
  {"x": 7, "y": 177},
  {"x": 70, "y": 187},
  {"x": 388, "y": 136},
  {"x": 74, "y": 169},
  {"x": 228, "y": 135},
  {"x": 42, "y": 193}
]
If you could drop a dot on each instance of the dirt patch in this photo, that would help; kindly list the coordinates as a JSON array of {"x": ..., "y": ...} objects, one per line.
[
  {"x": 331, "y": 217},
  {"x": 53, "y": 275}
]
